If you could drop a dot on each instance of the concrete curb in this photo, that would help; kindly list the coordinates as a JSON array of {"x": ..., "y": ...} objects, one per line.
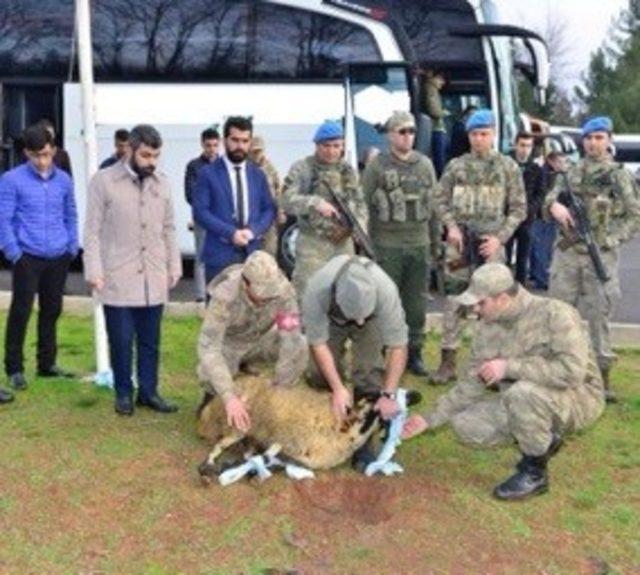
[{"x": 623, "y": 334}]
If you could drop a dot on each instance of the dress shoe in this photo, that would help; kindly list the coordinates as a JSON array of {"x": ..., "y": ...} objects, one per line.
[
  {"x": 530, "y": 479},
  {"x": 124, "y": 405},
  {"x": 415, "y": 363},
  {"x": 55, "y": 371},
  {"x": 5, "y": 396},
  {"x": 156, "y": 403},
  {"x": 17, "y": 381}
]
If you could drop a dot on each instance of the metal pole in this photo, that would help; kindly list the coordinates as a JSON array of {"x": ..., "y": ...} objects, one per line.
[{"x": 104, "y": 375}]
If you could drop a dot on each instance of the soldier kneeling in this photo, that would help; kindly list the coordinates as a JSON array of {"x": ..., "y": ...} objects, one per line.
[{"x": 533, "y": 377}]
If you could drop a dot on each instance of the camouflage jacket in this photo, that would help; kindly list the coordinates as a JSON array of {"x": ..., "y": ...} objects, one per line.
[
  {"x": 233, "y": 325},
  {"x": 307, "y": 183},
  {"x": 610, "y": 196},
  {"x": 487, "y": 193},
  {"x": 273, "y": 178},
  {"x": 544, "y": 342},
  {"x": 399, "y": 196}
]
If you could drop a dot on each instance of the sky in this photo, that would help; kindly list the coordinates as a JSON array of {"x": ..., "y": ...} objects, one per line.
[{"x": 587, "y": 23}]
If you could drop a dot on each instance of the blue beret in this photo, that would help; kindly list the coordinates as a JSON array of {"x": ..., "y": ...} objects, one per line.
[
  {"x": 597, "y": 124},
  {"x": 328, "y": 130},
  {"x": 481, "y": 119}
]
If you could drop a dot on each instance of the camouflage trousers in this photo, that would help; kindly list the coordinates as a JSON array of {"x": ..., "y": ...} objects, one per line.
[
  {"x": 312, "y": 252},
  {"x": 236, "y": 351},
  {"x": 573, "y": 280},
  {"x": 367, "y": 356},
  {"x": 409, "y": 269},
  {"x": 527, "y": 412}
]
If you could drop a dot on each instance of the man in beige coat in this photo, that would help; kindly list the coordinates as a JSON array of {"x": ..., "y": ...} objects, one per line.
[{"x": 131, "y": 260}]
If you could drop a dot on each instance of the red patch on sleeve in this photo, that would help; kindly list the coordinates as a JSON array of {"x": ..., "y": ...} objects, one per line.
[{"x": 287, "y": 321}]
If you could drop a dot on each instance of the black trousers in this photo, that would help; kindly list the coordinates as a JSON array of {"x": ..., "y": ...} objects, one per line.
[
  {"x": 46, "y": 277},
  {"x": 522, "y": 237}
]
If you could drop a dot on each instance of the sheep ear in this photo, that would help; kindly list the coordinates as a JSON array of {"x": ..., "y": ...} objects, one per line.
[{"x": 413, "y": 397}]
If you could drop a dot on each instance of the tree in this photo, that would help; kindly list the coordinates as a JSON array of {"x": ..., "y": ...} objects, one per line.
[{"x": 612, "y": 81}]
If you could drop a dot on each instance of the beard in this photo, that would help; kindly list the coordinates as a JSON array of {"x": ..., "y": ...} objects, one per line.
[
  {"x": 142, "y": 171},
  {"x": 237, "y": 156}
]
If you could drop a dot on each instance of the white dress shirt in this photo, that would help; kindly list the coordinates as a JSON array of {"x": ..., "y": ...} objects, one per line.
[{"x": 231, "y": 169}]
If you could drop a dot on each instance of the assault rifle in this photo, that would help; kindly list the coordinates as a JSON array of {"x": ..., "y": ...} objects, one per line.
[
  {"x": 582, "y": 227},
  {"x": 471, "y": 257},
  {"x": 348, "y": 220}
]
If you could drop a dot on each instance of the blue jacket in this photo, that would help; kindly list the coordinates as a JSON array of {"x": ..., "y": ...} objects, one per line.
[
  {"x": 37, "y": 216},
  {"x": 213, "y": 211}
]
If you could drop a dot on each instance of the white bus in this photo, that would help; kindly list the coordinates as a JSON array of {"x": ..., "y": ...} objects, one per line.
[{"x": 183, "y": 65}]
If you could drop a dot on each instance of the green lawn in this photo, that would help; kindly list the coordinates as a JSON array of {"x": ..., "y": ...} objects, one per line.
[{"x": 85, "y": 491}]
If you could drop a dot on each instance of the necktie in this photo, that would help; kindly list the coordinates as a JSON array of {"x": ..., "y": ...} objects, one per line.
[{"x": 239, "y": 198}]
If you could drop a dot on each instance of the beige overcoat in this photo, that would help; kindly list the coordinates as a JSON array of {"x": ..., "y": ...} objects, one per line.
[{"x": 129, "y": 237}]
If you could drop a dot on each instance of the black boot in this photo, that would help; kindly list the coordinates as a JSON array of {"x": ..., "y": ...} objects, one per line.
[
  {"x": 415, "y": 364},
  {"x": 609, "y": 395},
  {"x": 530, "y": 479}
]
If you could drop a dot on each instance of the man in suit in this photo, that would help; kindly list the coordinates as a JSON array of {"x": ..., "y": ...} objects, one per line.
[{"x": 232, "y": 202}]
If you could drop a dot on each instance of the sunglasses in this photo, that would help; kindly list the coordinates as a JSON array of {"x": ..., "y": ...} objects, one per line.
[{"x": 405, "y": 131}]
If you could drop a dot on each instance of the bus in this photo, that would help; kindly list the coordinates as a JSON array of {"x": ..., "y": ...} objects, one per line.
[{"x": 183, "y": 65}]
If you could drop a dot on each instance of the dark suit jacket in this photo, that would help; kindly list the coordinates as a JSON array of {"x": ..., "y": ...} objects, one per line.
[{"x": 213, "y": 211}]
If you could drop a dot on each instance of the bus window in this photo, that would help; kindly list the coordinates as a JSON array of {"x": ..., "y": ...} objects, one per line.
[
  {"x": 159, "y": 40},
  {"x": 35, "y": 38},
  {"x": 290, "y": 43}
]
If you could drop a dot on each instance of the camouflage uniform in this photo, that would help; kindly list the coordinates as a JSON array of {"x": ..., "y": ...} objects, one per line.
[
  {"x": 399, "y": 198},
  {"x": 236, "y": 330},
  {"x": 273, "y": 179},
  {"x": 612, "y": 203},
  {"x": 552, "y": 383},
  {"x": 320, "y": 238},
  {"x": 384, "y": 328},
  {"x": 486, "y": 193}
]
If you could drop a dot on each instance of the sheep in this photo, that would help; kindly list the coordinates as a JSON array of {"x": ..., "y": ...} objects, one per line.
[{"x": 298, "y": 420}]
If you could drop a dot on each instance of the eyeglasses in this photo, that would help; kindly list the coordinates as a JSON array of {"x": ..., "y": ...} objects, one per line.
[{"x": 405, "y": 131}]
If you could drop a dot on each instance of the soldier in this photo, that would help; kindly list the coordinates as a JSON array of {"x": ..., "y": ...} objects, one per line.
[
  {"x": 258, "y": 157},
  {"x": 352, "y": 298},
  {"x": 253, "y": 314},
  {"x": 613, "y": 207},
  {"x": 398, "y": 188},
  {"x": 306, "y": 195},
  {"x": 532, "y": 377},
  {"x": 481, "y": 196}
]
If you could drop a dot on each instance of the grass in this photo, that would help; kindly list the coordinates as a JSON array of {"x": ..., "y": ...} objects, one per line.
[{"x": 84, "y": 491}]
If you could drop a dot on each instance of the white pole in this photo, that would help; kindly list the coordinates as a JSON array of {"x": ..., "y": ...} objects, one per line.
[{"x": 85, "y": 59}]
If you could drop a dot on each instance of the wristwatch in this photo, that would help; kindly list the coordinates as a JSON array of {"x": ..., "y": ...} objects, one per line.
[{"x": 389, "y": 394}]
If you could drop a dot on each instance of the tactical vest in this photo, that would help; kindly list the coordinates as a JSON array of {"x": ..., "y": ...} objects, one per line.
[
  {"x": 321, "y": 181},
  {"x": 403, "y": 196},
  {"x": 480, "y": 190},
  {"x": 598, "y": 186}
]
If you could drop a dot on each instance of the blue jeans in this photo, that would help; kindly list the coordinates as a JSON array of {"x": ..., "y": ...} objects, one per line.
[
  {"x": 124, "y": 324},
  {"x": 543, "y": 236},
  {"x": 439, "y": 151}
]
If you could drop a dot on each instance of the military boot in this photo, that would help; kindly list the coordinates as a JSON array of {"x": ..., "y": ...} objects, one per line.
[
  {"x": 609, "y": 395},
  {"x": 530, "y": 479},
  {"x": 415, "y": 364},
  {"x": 447, "y": 369}
]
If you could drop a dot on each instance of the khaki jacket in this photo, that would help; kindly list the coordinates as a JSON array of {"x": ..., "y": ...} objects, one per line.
[{"x": 129, "y": 238}]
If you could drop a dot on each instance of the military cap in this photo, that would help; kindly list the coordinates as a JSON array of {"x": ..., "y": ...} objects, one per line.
[
  {"x": 597, "y": 124},
  {"x": 399, "y": 120},
  {"x": 257, "y": 143},
  {"x": 264, "y": 276},
  {"x": 328, "y": 130},
  {"x": 488, "y": 280},
  {"x": 356, "y": 292},
  {"x": 483, "y": 118}
]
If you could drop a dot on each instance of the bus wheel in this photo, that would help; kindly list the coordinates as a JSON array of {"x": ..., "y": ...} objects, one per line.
[{"x": 287, "y": 237}]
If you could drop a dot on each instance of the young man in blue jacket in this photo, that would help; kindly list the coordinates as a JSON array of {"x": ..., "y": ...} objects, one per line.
[{"x": 39, "y": 235}]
